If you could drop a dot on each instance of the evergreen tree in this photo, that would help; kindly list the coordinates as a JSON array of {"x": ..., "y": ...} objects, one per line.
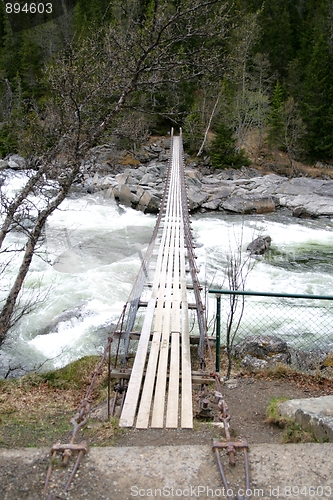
[
  {"x": 223, "y": 152},
  {"x": 276, "y": 118},
  {"x": 277, "y": 39},
  {"x": 318, "y": 100}
]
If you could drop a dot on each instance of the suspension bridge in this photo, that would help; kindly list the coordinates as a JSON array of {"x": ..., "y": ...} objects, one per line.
[{"x": 159, "y": 392}]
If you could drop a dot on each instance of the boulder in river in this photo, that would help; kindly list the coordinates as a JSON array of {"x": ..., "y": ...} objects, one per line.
[
  {"x": 69, "y": 316},
  {"x": 259, "y": 245}
]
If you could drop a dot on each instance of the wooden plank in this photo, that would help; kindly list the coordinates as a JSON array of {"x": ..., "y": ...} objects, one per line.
[
  {"x": 142, "y": 420},
  {"x": 157, "y": 420},
  {"x": 160, "y": 278},
  {"x": 174, "y": 379},
  {"x": 132, "y": 395},
  {"x": 186, "y": 386},
  {"x": 173, "y": 389},
  {"x": 190, "y": 305},
  {"x": 147, "y": 392}
]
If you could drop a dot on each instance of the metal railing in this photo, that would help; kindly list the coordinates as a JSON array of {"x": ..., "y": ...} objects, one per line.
[{"x": 302, "y": 323}]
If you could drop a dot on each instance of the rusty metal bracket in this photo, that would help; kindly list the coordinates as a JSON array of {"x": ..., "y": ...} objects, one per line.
[
  {"x": 66, "y": 449},
  {"x": 231, "y": 447},
  {"x": 70, "y": 446}
]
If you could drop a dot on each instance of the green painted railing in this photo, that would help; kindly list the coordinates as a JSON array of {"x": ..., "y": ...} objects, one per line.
[{"x": 271, "y": 294}]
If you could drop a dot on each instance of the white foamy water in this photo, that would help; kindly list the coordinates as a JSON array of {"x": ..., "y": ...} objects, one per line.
[
  {"x": 88, "y": 262},
  {"x": 91, "y": 254},
  {"x": 300, "y": 261}
]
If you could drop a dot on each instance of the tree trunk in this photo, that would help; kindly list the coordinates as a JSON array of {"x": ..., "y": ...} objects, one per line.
[{"x": 8, "y": 309}]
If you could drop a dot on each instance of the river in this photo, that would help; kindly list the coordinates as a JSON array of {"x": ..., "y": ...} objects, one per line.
[{"x": 91, "y": 254}]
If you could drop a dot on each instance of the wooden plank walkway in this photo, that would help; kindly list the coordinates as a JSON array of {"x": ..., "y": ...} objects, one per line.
[{"x": 163, "y": 397}]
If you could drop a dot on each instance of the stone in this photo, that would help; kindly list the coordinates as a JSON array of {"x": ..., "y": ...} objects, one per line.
[
  {"x": 264, "y": 206},
  {"x": 3, "y": 164},
  {"x": 163, "y": 157},
  {"x": 16, "y": 162},
  {"x": 156, "y": 149},
  {"x": 212, "y": 205},
  {"x": 302, "y": 186},
  {"x": 196, "y": 198},
  {"x": 148, "y": 202},
  {"x": 143, "y": 157},
  {"x": 244, "y": 191},
  {"x": 301, "y": 213},
  {"x": 325, "y": 189},
  {"x": 259, "y": 245},
  {"x": 132, "y": 180},
  {"x": 312, "y": 414},
  {"x": 232, "y": 383},
  {"x": 193, "y": 178},
  {"x": 157, "y": 169},
  {"x": 126, "y": 197},
  {"x": 222, "y": 193},
  {"x": 307, "y": 360},
  {"x": 244, "y": 205},
  {"x": 254, "y": 363},
  {"x": 314, "y": 204},
  {"x": 210, "y": 180},
  {"x": 69, "y": 316},
  {"x": 261, "y": 346},
  {"x": 121, "y": 178}
]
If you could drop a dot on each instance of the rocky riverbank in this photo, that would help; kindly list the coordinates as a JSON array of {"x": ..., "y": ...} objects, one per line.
[
  {"x": 138, "y": 181},
  {"x": 140, "y": 184}
]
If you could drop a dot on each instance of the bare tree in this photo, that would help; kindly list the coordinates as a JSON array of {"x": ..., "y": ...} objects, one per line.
[
  {"x": 246, "y": 35},
  {"x": 93, "y": 82},
  {"x": 248, "y": 75},
  {"x": 294, "y": 132},
  {"x": 209, "y": 124},
  {"x": 239, "y": 267}
]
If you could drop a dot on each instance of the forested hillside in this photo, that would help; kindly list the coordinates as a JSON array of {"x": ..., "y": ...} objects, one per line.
[{"x": 230, "y": 67}]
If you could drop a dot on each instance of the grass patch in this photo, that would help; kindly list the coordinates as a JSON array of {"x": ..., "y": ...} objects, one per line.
[
  {"x": 278, "y": 371},
  {"x": 293, "y": 432},
  {"x": 36, "y": 409},
  {"x": 76, "y": 375},
  {"x": 99, "y": 433},
  {"x": 272, "y": 412}
]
